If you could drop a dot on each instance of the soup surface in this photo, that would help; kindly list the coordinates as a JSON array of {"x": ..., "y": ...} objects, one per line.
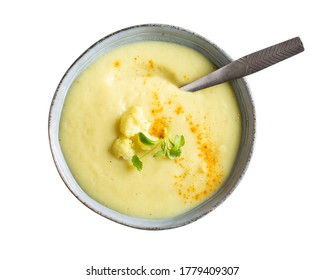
[{"x": 135, "y": 88}]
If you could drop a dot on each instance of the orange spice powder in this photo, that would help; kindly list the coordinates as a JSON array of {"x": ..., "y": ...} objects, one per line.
[
  {"x": 158, "y": 127},
  {"x": 212, "y": 173},
  {"x": 179, "y": 110},
  {"x": 157, "y": 106},
  {"x": 117, "y": 63},
  {"x": 151, "y": 64}
]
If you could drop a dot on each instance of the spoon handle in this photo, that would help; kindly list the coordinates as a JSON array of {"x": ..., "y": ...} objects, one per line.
[{"x": 248, "y": 64}]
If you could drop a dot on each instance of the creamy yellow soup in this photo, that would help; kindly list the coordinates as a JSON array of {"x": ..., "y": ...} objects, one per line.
[{"x": 140, "y": 82}]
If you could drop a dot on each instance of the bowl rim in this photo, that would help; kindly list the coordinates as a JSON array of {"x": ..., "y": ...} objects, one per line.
[{"x": 135, "y": 222}]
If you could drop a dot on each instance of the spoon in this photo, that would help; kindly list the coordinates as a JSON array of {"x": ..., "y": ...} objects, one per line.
[{"x": 248, "y": 64}]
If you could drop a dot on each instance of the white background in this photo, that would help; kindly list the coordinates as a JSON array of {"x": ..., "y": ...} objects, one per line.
[{"x": 272, "y": 226}]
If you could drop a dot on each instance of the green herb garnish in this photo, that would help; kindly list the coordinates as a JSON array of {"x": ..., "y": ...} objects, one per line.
[
  {"x": 170, "y": 149},
  {"x": 145, "y": 140},
  {"x": 137, "y": 163}
]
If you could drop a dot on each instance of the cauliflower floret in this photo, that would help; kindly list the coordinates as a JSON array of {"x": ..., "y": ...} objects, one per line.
[
  {"x": 122, "y": 147},
  {"x": 133, "y": 122}
]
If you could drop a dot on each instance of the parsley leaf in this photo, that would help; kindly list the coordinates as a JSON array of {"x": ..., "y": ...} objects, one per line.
[
  {"x": 145, "y": 140},
  {"x": 175, "y": 151},
  {"x": 137, "y": 163},
  {"x": 159, "y": 153}
]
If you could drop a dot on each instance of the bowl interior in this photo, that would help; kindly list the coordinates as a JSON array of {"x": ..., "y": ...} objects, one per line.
[{"x": 164, "y": 33}]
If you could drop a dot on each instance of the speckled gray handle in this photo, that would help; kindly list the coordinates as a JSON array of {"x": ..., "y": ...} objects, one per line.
[{"x": 248, "y": 64}]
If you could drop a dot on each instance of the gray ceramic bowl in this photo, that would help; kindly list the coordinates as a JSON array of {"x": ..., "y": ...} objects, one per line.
[{"x": 154, "y": 32}]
